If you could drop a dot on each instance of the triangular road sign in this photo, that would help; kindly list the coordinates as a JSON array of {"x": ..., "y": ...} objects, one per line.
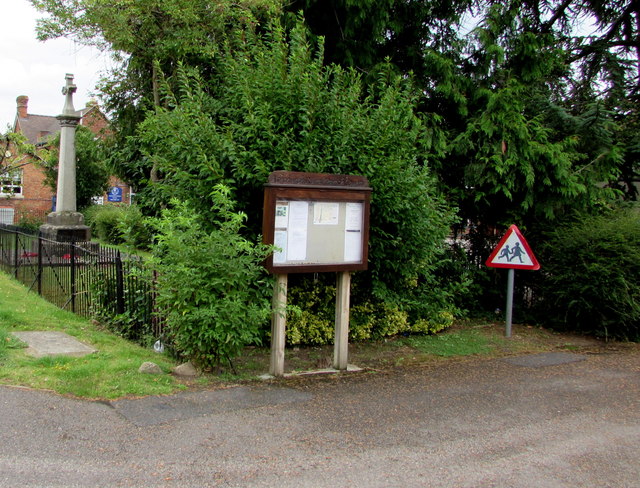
[{"x": 513, "y": 251}]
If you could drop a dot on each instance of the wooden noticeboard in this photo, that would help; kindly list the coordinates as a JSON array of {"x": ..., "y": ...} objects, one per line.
[{"x": 318, "y": 222}]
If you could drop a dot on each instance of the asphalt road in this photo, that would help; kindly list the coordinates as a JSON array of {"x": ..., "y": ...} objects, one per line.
[{"x": 477, "y": 423}]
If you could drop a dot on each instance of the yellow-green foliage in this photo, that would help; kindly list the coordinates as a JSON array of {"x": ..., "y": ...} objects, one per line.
[
  {"x": 311, "y": 317},
  {"x": 376, "y": 321},
  {"x": 303, "y": 327},
  {"x": 440, "y": 322}
]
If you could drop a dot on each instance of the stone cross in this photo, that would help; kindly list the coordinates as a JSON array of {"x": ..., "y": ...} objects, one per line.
[
  {"x": 66, "y": 195},
  {"x": 69, "y": 89},
  {"x": 66, "y": 223}
]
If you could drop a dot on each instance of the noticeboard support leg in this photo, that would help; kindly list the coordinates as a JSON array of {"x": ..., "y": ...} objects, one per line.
[
  {"x": 278, "y": 325},
  {"x": 341, "y": 341}
]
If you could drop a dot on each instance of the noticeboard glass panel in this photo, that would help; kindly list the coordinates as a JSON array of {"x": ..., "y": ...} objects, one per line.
[
  {"x": 318, "y": 232},
  {"x": 316, "y": 225}
]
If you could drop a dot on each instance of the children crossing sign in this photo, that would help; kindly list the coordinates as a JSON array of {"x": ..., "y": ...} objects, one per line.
[{"x": 513, "y": 251}]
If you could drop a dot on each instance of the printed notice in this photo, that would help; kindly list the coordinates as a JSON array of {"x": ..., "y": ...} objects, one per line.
[
  {"x": 282, "y": 215},
  {"x": 353, "y": 247},
  {"x": 280, "y": 242},
  {"x": 353, "y": 219},
  {"x": 353, "y": 233},
  {"x": 297, "y": 238},
  {"x": 326, "y": 213}
]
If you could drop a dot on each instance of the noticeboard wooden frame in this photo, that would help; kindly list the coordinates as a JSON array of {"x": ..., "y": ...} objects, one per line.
[{"x": 329, "y": 214}]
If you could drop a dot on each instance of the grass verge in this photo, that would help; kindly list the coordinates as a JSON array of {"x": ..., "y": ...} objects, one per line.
[{"x": 112, "y": 372}]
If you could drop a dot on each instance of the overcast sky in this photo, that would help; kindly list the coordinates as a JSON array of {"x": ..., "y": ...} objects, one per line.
[{"x": 37, "y": 69}]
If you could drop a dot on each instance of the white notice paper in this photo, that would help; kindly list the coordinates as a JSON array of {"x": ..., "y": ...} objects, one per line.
[
  {"x": 353, "y": 219},
  {"x": 353, "y": 233},
  {"x": 353, "y": 247},
  {"x": 326, "y": 213},
  {"x": 297, "y": 241},
  {"x": 282, "y": 215},
  {"x": 280, "y": 241}
]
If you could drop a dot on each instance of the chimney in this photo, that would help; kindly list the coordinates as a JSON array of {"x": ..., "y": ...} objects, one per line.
[{"x": 23, "y": 102}]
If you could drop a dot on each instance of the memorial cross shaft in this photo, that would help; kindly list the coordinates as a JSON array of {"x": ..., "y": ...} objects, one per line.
[
  {"x": 66, "y": 223},
  {"x": 66, "y": 191}
]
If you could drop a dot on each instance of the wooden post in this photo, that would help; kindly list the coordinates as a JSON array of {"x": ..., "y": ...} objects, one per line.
[
  {"x": 341, "y": 341},
  {"x": 278, "y": 325}
]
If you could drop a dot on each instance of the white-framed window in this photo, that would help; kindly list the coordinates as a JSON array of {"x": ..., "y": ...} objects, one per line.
[
  {"x": 11, "y": 182},
  {"x": 7, "y": 215}
]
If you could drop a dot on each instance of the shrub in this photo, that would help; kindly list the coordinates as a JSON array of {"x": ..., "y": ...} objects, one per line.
[
  {"x": 133, "y": 228},
  {"x": 30, "y": 222},
  {"x": 103, "y": 220},
  {"x": 211, "y": 285},
  {"x": 278, "y": 107},
  {"x": 440, "y": 322},
  {"x": 119, "y": 224},
  {"x": 591, "y": 276},
  {"x": 311, "y": 316}
]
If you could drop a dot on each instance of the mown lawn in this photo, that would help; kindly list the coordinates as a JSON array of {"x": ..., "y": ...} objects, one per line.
[{"x": 111, "y": 372}]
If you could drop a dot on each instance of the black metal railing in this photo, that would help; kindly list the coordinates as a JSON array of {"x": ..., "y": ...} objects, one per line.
[{"x": 86, "y": 278}]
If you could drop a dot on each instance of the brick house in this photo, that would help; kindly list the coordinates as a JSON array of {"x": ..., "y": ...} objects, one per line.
[{"x": 23, "y": 194}]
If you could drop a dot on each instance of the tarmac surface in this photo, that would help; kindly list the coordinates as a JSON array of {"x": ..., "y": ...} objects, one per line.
[{"x": 555, "y": 420}]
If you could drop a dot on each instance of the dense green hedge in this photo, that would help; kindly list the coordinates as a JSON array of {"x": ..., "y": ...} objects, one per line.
[
  {"x": 119, "y": 224},
  {"x": 591, "y": 276}
]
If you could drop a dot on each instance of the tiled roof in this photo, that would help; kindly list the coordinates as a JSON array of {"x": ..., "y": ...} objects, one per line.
[{"x": 39, "y": 128}]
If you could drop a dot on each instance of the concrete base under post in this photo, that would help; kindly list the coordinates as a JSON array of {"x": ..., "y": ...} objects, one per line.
[{"x": 66, "y": 227}]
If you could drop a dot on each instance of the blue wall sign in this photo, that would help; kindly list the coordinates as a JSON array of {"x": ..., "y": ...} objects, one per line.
[{"x": 115, "y": 194}]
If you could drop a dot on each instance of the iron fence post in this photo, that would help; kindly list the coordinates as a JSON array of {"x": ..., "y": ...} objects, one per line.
[
  {"x": 15, "y": 257},
  {"x": 73, "y": 275},
  {"x": 119, "y": 284},
  {"x": 39, "y": 278}
]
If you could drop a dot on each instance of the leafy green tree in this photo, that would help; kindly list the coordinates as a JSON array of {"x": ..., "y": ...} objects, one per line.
[
  {"x": 599, "y": 46},
  {"x": 147, "y": 38},
  {"x": 276, "y": 107},
  {"x": 150, "y": 34},
  {"x": 92, "y": 174},
  {"x": 568, "y": 88},
  {"x": 366, "y": 33},
  {"x": 16, "y": 152}
]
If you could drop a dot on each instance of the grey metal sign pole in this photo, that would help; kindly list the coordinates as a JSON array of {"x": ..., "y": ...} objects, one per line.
[{"x": 510, "y": 281}]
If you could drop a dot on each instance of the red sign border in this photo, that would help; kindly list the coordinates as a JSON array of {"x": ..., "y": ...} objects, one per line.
[{"x": 534, "y": 266}]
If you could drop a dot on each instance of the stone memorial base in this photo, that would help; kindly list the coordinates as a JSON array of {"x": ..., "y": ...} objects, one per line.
[{"x": 66, "y": 227}]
